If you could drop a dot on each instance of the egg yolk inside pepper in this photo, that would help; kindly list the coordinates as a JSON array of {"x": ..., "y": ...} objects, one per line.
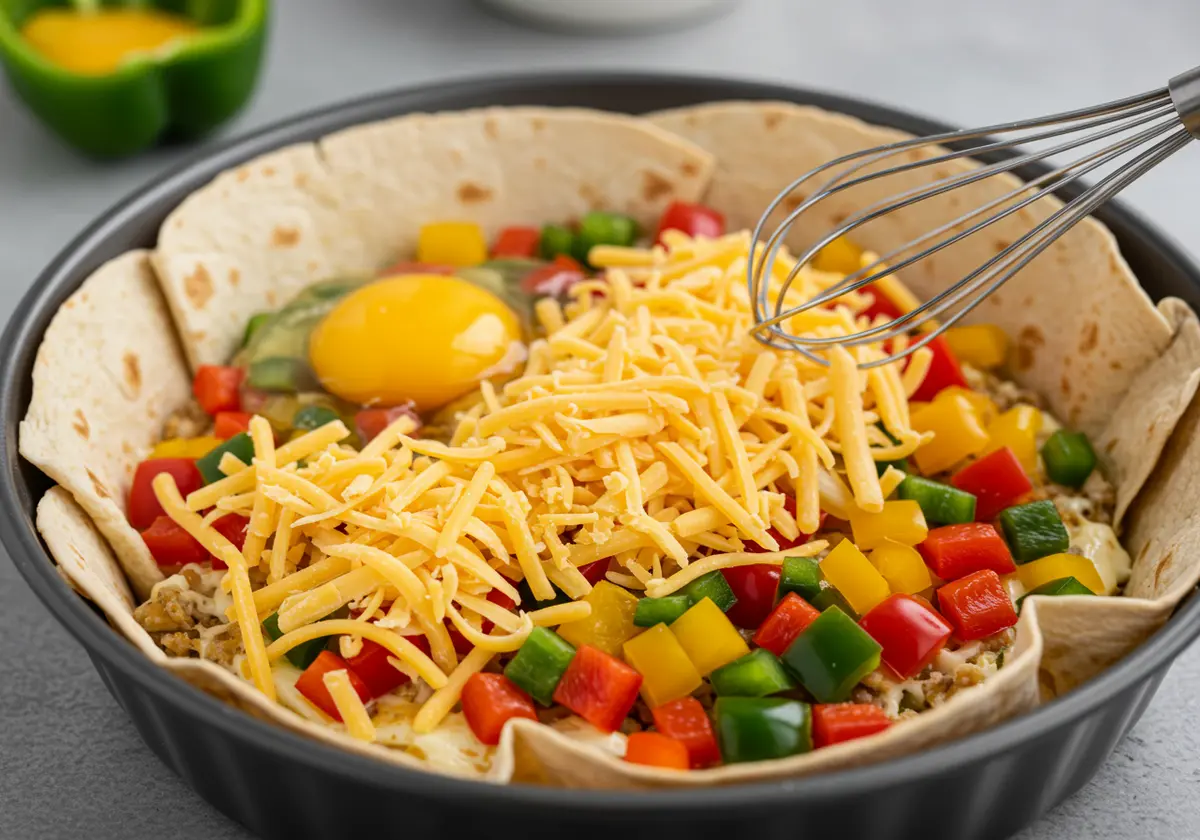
[{"x": 421, "y": 337}]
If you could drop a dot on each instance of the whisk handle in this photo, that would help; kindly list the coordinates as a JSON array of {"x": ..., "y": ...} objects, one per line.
[{"x": 1185, "y": 95}]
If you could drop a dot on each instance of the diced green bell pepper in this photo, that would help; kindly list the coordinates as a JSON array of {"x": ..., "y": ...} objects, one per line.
[
  {"x": 651, "y": 611},
  {"x": 277, "y": 373},
  {"x": 830, "y": 597},
  {"x": 801, "y": 575},
  {"x": 240, "y": 446},
  {"x": 303, "y": 654},
  {"x": 900, "y": 463},
  {"x": 762, "y": 728},
  {"x": 831, "y": 656},
  {"x": 1034, "y": 530},
  {"x": 313, "y": 417},
  {"x": 256, "y": 323},
  {"x": 540, "y": 664},
  {"x": 940, "y": 503},
  {"x": 556, "y": 240},
  {"x": 756, "y": 674},
  {"x": 178, "y": 93},
  {"x": 1062, "y": 586},
  {"x": 528, "y": 602},
  {"x": 599, "y": 228},
  {"x": 712, "y": 585},
  {"x": 1069, "y": 458}
]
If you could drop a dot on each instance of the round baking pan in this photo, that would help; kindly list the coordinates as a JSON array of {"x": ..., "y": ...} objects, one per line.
[{"x": 281, "y": 785}]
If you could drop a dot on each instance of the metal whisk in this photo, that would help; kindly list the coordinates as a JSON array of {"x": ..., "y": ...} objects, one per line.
[{"x": 1137, "y": 134}]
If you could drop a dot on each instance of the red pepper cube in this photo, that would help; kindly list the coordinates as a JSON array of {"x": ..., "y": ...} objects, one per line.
[
  {"x": 654, "y": 749},
  {"x": 231, "y": 526},
  {"x": 593, "y": 572},
  {"x": 910, "y": 632},
  {"x": 997, "y": 481},
  {"x": 491, "y": 700},
  {"x": 944, "y": 371},
  {"x": 312, "y": 683},
  {"x": 553, "y": 280},
  {"x": 953, "y": 551},
  {"x": 170, "y": 545},
  {"x": 692, "y": 219},
  {"x": 686, "y": 721},
  {"x": 833, "y": 723},
  {"x": 143, "y": 504},
  {"x": 377, "y": 673},
  {"x": 517, "y": 242},
  {"x": 880, "y": 304},
  {"x": 461, "y": 646},
  {"x": 371, "y": 421},
  {"x": 226, "y": 424},
  {"x": 216, "y": 388},
  {"x": 789, "y": 618},
  {"x": 755, "y": 587},
  {"x": 599, "y": 688},
  {"x": 977, "y": 606}
]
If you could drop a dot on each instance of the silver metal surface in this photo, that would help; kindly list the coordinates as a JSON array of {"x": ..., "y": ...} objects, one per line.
[{"x": 1119, "y": 141}]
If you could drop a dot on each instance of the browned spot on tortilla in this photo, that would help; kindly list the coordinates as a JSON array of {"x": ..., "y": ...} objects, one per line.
[
  {"x": 284, "y": 237},
  {"x": 83, "y": 297},
  {"x": 537, "y": 124},
  {"x": 242, "y": 174},
  {"x": 126, "y": 448},
  {"x": 793, "y": 201},
  {"x": 133, "y": 372},
  {"x": 772, "y": 119},
  {"x": 98, "y": 485},
  {"x": 79, "y": 555},
  {"x": 1064, "y": 385},
  {"x": 1028, "y": 301},
  {"x": 1115, "y": 364},
  {"x": 269, "y": 171},
  {"x": 1150, "y": 429},
  {"x": 1110, "y": 446},
  {"x": 837, "y": 218},
  {"x": 70, "y": 304},
  {"x": 491, "y": 128},
  {"x": 591, "y": 195},
  {"x": 235, "y": 277},
  {"x": 690, "y": 168},
  {"x": 469, "y": 193},
  {"x": 198, "y": 287},
  {"x": 914, "y": 155},
  {"x": 271, "y": 297},
  {"x": 1000, "y": 245},
  {"x": 81, "y": 425},
  {"x": 691, "y": 119},
  {"x": 1028, "y": 340},
  {"x": 655, "y": 186},
  {"x": 539, "y": 163},
  {"x": 312, "y": 265},
  {"x": 456, "y": 156},
  {"x": 1161, "y": 567},
  {"x": 1091, "y": 334},
  {"x": 301, "y": 179}
]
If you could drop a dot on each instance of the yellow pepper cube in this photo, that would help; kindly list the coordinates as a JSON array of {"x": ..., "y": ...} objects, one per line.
[
  {"x": 667, "y": 673},
  {"x": 1017, "y": 429},
  {"x": 900, "y": 521},
  {"x": 957, "y": 433},
  {"x": 611, "y": 623},
  {"x": 984, "y": 346},
  {"x": 850, "y": 572},
  {"x": 1058, "y": 566},
  {"x": 987, "y": 409},
  {"x": 451, "y": 243},
  {"x": 185, "y": 447},
  {"x": 708, "y": 637},
  {"x": 902, "y": 567},
  {"x": 840, "y": 256}
]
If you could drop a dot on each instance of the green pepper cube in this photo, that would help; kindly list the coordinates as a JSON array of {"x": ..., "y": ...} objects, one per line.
[
  {"x": 540, "y": 664},
  {"x": 556, "y": 240},
  {"x": 1069, "y": 458},
  {"x": 882, "y": 466},
  {"x": 831, "y": 656},
  {"x": 940, "y": 503},
  {"x": 313, "y": 417},
  {"x": 256, "y": 323},
  {"x": 528, "y": 602},
  {"x": 1034, "y": 530},
  {"x": 762, "y": 728},
  {"x": 756, "y": 674},
  {"x": 801, "y": 575},
  {"x": 598, "y": 228},
  {"x": 712, "y": 585},
  {"x": 240, "y": 446},
  {"x": 651, "y": 611},
  {"x": 1062, "y": 586},
  {"x": 275, "y": 373},
  {"x": 830, "y": 597},
  {"x": 303, "y": 654}
]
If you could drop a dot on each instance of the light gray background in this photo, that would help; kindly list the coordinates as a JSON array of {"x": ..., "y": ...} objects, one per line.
[{"x": 70, "y": 762}]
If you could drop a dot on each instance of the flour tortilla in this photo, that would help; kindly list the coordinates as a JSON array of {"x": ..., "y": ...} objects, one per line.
[{"x": 354, "y": 201}]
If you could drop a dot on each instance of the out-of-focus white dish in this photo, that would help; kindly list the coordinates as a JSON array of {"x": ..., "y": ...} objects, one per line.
[{"x": 610, "y": 15}]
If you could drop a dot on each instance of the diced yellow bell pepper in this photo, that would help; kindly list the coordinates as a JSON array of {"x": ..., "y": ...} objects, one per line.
[
  {"x": 1017, "y": 429},
  {"x": 667, "y": 673},
  {"x": 984, "y": 346},
  {"x": 1058, "y": 566},
  {"x": 611, "y": 623},
  {"x": 988, "y": 410},
  {"x": 851, "y": 574},
  {"x": 840, "y": 256},
  {"x": 900, "y": 521},
  {"x": 708, "y": 637},
  {"x": 958, "y": 433},
  {"x": 185, "y": 447},
  {"x": 902, "y": 567},
  {"x": 451, "y": 243}
]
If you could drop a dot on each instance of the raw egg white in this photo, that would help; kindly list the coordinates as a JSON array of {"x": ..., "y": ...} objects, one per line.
[{"x": 422, "y": 337}]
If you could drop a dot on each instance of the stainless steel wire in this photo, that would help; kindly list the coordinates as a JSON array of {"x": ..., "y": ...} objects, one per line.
[{"x": 1120, "y": 141}]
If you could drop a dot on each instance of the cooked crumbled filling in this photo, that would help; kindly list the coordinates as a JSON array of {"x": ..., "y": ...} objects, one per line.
[
  {"x": 185, "y": 616},
  {"x": 1004, "y": 393},
  {"x": 188, "y": 422}
]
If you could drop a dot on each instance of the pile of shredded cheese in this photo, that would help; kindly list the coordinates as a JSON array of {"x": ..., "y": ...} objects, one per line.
[{"x": 649, "y": 428}]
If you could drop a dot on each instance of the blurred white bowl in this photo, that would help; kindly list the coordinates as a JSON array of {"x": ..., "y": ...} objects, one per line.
[{"x": 610, "y": 15}]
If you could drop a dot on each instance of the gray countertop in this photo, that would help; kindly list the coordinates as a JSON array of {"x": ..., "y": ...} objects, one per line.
[{"x": 71, "y": 763}]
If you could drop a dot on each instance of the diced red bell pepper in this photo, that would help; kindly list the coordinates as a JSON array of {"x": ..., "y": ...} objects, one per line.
[
  {"x": 599, "y": 688},
  {"x": 143, "y": 505},
  {"x": 977, "y": 605},
  {"x": 943, "y": 372},
  {"x": 491, "y": 700},
  {"x": 461, "y": 646},
  {"x": 692, "y": 219},
  {"x": 517, "y": 242},
  {"x": 567, "y": 261},
  {"x": 789, "y": 504},
  {"x": 833, "y": 723},
  {"x": 170, "y": 545},
  {"x": 956, "y": 550},
  {"x": 996, "y": 480},
  {"x": 553, "y": 280},
  {"x": 405, "y": 267},
  {"x": 686, "y": 721},
  {"x": 787, "y": 621},
  {"x": 312, "y": 682},
  {"x": 216, "y": 388},
  {"x": 910, "y": 632},
  {"x": 371, "y": 421},
  {"x": 656, "y": 750},
  {"x": 755, "y": 587},
  {"x": 881, "y": 304},
  {"x": 372, "y": 666},
  {"x": 594, "y": 572},
  {"x": 226, "y": 424},
  {"x": 231, "y": 526}
]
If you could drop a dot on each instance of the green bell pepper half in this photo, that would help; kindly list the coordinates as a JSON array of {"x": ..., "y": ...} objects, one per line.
[
  {"x": 762, "y": 728},
  {"x": 831, "y": 656},
  {"x": 178, "y": 95}
]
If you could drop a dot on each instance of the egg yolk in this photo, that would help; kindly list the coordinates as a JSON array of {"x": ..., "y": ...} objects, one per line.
[{"x": 421, "y": 337}]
